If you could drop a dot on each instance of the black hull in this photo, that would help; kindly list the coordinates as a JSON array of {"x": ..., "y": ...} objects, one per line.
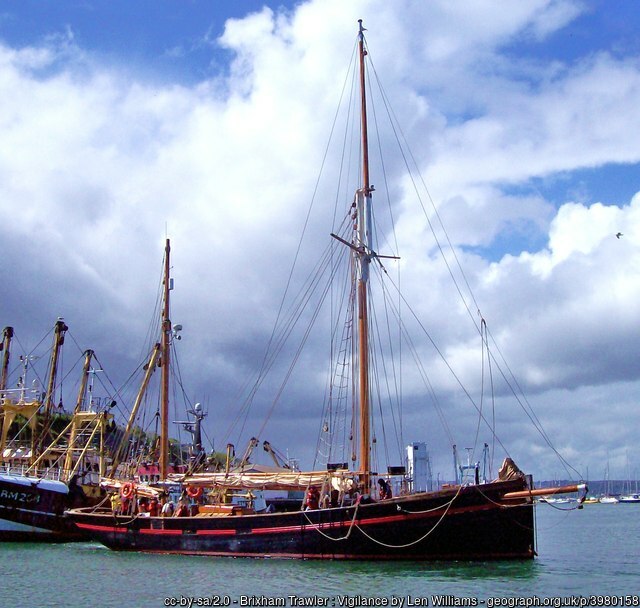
[
  {"x": 471, "y": 523},
  {"x": 33, "y": 510}
]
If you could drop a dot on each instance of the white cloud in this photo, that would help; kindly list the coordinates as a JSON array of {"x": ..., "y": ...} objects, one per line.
[{"x": 96, "y": 161}]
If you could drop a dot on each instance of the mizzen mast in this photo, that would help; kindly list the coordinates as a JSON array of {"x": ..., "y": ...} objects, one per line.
[{"x": 363, "y": 256}]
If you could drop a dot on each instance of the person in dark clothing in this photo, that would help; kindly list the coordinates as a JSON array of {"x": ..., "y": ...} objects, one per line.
[{"x": 384, "y": 492}]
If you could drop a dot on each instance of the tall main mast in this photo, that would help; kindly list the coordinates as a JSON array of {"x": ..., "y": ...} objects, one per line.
[
  {"x": 363, "y": 235},
  {"x": 164, "y": 400}
]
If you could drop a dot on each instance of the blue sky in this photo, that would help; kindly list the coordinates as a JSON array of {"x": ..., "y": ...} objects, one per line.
[
  {"x": 123, "y": 121},
  {"x": 601, "y": 26},
  {"x": 165, "y": 39}
]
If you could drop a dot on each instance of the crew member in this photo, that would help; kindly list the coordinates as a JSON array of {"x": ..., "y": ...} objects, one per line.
[
  {"x": 384, "y": 492},
  {"x": 313, "y": 498}
]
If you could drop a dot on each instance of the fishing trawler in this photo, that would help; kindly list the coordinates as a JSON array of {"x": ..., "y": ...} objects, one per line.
[
  {"x": 340, "y": 517},
  {"x": 47, "y": 471}
]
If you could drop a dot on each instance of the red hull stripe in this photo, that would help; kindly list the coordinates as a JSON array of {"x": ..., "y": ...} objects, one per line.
[{"x": 289, "y": 529}]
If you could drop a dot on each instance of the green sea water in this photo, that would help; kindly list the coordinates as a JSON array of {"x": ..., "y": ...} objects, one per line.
[{"x": 592, "y": 553}]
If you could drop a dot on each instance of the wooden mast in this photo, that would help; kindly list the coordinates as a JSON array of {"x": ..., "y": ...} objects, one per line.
[
  {"x": 164, "y": 401},
  {"x": 159, "y": 357},
  {"x": 364, "y": 259},
  {"x": 6, "y": 347},
  {"x": 122, "y": 449}
]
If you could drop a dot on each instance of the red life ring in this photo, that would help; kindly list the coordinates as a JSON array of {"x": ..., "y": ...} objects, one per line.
[
  {"x": 194, "y": 492},
  {"x": 126, "y": 491}
]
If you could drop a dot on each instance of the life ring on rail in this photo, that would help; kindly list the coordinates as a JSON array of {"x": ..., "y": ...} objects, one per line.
[
  {"x": 126, "y": 491},
  {"x": 194, "y": 492}
]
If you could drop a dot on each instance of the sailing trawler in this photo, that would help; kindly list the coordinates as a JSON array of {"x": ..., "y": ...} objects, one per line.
[{"x": 339, "y": 518}]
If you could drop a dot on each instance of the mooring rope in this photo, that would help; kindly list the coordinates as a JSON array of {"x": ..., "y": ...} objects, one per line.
[
  {"x": 415, "y": 542},
  {"x": 351, "y": 525},
  {"x": 419, "y": 540}
]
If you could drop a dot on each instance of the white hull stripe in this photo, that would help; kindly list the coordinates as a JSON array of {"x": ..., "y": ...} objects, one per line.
[{"x": 12, "y": 526}]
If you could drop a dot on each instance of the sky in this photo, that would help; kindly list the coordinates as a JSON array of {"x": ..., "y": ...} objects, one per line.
[{"x": 123, "y": 123}]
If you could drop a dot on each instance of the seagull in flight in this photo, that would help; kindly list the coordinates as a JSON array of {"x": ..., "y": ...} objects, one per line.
[{"x": 619, "y": 235}]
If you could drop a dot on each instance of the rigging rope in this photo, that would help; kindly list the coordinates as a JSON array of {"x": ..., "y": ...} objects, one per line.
[
  {"x": 419, "y": 540},
  {"x": 383, "y": 544},
  {"x": 316, "y": 527},
  {"x": 403, "y": 146}
]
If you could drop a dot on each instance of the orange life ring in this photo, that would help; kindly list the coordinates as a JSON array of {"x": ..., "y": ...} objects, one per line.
[
  {"x": 126, "y": 491},
  {"x": 194, "y": 492}
]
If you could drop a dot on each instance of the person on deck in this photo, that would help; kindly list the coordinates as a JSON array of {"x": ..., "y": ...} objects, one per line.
[
  {"x": 167, "y": 508},
  {"x": 142, "y": 504},
  {"x": 153, "y": 507},
  {"x": 115, "y": 503},
  {"x": 313, "y": 499},
  {"x": 384, "y": 492},
  {"x": 182, "y": 510}
]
